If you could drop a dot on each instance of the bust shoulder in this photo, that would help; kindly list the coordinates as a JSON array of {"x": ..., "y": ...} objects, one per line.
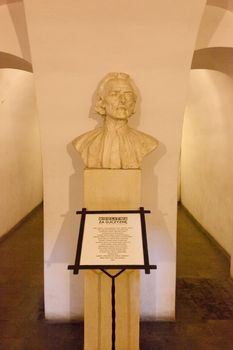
[{"x": 82, "y": 141}]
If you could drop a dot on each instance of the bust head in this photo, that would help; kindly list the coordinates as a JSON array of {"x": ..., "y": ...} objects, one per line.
[
  {"x": 115, "y": 145},
  {"x": 116, "y": 96}
]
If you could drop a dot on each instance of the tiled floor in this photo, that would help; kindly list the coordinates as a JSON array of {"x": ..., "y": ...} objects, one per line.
[{"x": 204, "y": 296}]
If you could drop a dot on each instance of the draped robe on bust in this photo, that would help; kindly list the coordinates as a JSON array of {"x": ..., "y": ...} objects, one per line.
[{"x": 118, "y": 147}]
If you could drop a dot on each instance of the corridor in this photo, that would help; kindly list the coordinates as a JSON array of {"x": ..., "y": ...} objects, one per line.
[{"x": 204, "y": 311}]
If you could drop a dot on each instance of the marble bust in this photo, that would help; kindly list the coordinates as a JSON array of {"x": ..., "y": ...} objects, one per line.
[{"x": 115, "y": 145}]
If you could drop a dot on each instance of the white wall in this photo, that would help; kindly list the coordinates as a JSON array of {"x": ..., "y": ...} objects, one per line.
[
  {"x": 207, "y": 154},
  {"x": 74, "y": 44},
  {"x": 20, "y": 154}
]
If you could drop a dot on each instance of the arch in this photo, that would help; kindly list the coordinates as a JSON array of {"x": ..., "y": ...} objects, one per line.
[
  {"x": 8, "y": 60},
  {"x": 208, "y": 120},
  {"x": 20, "y": 151}
]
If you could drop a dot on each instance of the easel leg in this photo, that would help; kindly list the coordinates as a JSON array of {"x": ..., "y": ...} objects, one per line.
[{"x": 98, "y": 311}]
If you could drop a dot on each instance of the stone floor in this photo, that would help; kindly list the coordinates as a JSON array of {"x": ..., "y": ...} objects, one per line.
[{"x": 204, "y": 296}]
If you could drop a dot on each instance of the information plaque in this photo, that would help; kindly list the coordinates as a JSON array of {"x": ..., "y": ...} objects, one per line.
[{"x": 112, "y": 240}]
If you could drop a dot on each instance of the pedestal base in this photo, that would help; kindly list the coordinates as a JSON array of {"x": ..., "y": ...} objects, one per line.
[
  {"x": 110, "y": 190},
  {"x": 98, "y": 307},
  {"x": 107, "y": 189}
]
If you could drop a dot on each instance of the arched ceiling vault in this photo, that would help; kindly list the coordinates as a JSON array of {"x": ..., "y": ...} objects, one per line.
[
  {"x": 11, "y": 61},
  {"x": 214, "y": 45},
  {"x": 216, "y": 26},
  {"x": 225, "y": 4},
  {"x": 214, "y": 58},
  {"x": 13, "y": 29}
]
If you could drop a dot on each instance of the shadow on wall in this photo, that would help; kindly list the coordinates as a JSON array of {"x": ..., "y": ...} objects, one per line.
[
  {"x": 160, "y": 244},
  {"x": 155, "y": 220},
  {"x": 65, "y": 247}
]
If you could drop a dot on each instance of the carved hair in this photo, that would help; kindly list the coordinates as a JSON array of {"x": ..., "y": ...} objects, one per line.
[{"x": 99, "y": 107}]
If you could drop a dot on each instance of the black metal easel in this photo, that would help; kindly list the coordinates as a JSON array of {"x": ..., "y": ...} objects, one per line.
[{"x": 147, "y": 267}]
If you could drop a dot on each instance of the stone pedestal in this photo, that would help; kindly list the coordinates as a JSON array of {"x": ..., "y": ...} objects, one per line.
[{"x": 111, "y": 189}]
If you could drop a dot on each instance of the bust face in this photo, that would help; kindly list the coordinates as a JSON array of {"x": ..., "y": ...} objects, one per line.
[{"x": 119, "y": 99}]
